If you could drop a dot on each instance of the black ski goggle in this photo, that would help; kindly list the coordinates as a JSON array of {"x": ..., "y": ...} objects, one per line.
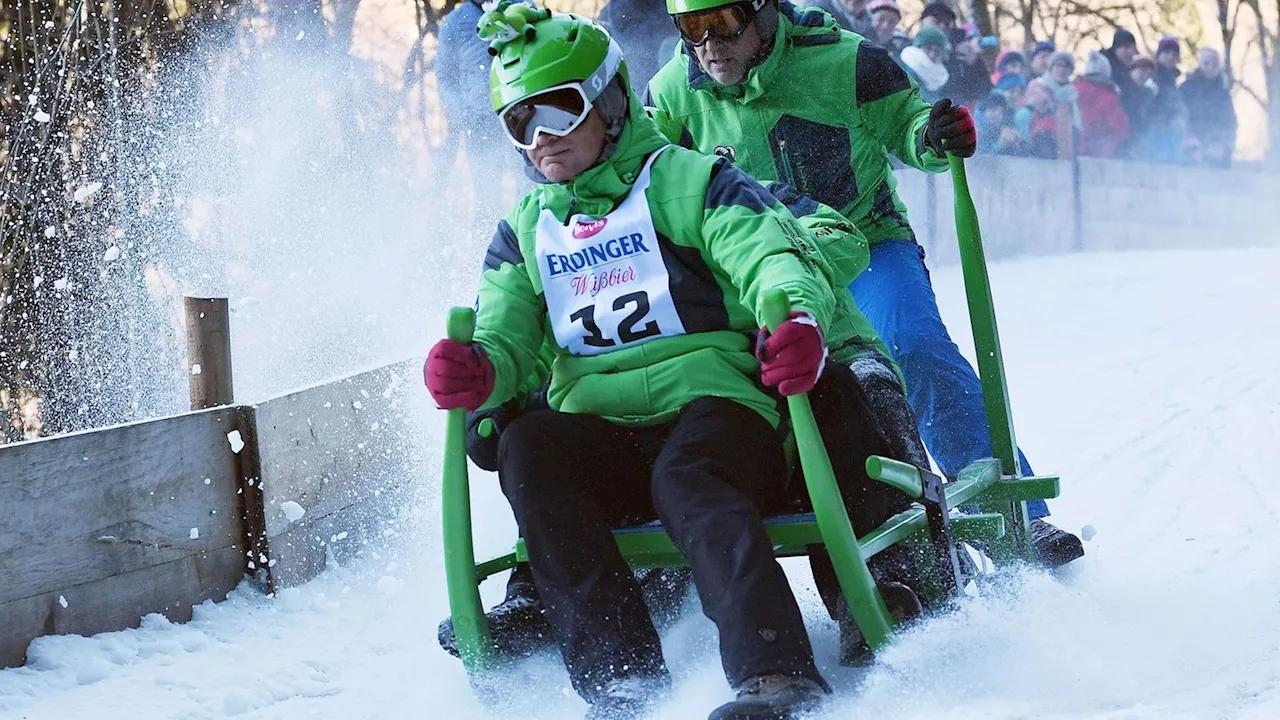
[{"x": 726, "y": 22}]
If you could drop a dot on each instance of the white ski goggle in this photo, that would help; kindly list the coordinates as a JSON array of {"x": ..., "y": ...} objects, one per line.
[{"x": 555, "y": 111}]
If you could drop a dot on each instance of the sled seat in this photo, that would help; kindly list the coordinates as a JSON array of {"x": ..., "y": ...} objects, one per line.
[{"x": 649, "y": 546}]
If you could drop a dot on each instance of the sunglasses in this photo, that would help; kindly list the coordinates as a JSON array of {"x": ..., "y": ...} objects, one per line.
[
  {"x": 726, "y": 22},
  {"x": 555, "y": 111}
]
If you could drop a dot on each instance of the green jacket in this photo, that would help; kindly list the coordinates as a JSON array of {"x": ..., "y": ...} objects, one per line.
[
  {"x": 818, "y": 114},
  {"x": 843, "y": 254},
  {"x": 703, "y": 208}
]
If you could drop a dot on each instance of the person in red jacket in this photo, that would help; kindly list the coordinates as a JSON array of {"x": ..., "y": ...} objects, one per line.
[{"x": 1105, "y": 126}]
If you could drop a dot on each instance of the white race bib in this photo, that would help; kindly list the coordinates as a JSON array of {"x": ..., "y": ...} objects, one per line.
[{"x": 604, "y": 280}]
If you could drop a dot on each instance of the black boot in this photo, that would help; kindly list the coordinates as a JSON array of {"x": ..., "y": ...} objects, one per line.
[
  {"x": 904, "y": 606},
  {"x": 517, "y": 626},
  {"x": 1054, "y": 547},
  {"x": 627, "y": 698},
  {"x": 773, "y": 697}
]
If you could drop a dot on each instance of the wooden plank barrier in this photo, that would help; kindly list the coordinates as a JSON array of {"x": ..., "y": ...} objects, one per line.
[
  {"x": 105, "y": 526},
  {"x": 334, "y": 453}
]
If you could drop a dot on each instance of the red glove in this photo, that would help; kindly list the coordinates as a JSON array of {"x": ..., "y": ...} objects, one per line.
[
  {"x": 951, "y": 129},
  {"x": 457, "y": 375},
  {"x": 792, "y": 358}
]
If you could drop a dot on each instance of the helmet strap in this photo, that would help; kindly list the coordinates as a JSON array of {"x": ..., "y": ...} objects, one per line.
[
  {"x": 613, "y": 105},
  {"x": 766, "y": 21}
]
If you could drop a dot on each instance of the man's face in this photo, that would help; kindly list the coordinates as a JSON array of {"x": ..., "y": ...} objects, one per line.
[
  {"x": 853, "y": 7},
  {"x": 728, "y": 61},
  {"x": 1210, "y": 64},
  {"x": 935, "y": 52},
  {"x": 1014, "y": 95},
  {"x": 562, "y": 159},
  {"x": 1167, "y": 59},
  {"x": 1014, "y": 67},
  {"x": 1039, "y": 63},
  {"x": 994, "y": 114},
  {"x": 1061, "y": 72},
  {"x": 885, "y": 22},
  {"x": 1127, "y": 54}
]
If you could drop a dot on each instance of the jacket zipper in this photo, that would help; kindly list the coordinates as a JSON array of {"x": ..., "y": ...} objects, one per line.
[{"x": 786, "y": 164}]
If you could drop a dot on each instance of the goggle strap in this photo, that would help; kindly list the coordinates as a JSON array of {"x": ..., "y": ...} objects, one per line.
[{"x": 597, "y": 81}]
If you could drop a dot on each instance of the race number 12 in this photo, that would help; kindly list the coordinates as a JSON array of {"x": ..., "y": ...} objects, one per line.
[{"x": 627, "y": 332}]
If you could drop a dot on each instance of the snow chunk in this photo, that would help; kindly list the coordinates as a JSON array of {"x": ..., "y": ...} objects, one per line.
[
  {"x": 237, "y": 443},
  {"x": 50, "y": 231},
  {"x": 41, "y": 116},
  {"x": 388, "y": 585},
  {"x": 195, "y": 368},
  {"x": 112, "y": 254},
  {"x": 1087, "y": 533},
  {"x": 88, "y": 191},
  {"x": 292, "y": 510},
  {"x": 62, "y": 601},
  {"x": 195, "y": 533},
  {"x": 61, "y": 284}
]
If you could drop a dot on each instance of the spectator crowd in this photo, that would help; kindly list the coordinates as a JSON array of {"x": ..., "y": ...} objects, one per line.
[{"x": 1039, "y": 102}]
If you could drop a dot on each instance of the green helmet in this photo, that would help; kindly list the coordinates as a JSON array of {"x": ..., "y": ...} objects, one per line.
[
  {"x": 536, "y": 49},
  {"x": 675, "y": 7}
]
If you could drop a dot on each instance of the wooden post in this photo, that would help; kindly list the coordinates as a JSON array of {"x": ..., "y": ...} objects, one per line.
[{"x": 208, "y": 352}]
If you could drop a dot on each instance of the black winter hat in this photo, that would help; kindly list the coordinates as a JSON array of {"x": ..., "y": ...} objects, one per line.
[
  {"x": 939, "y": 10},
  {"x": 1123, "y": 38}
]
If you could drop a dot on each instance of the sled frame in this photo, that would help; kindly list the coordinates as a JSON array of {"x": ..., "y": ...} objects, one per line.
[{"x": 929, "y": 528}]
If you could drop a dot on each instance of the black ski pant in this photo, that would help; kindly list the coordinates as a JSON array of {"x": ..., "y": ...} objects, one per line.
[
  {"x": 851, "y": 431},
  {"x": 707, "y": 474}
]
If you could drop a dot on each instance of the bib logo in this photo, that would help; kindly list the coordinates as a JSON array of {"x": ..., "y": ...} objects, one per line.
[
  {"x": 585, "y": 230},
  {"x": 726, "y": 151},
  {"x": 604, "y": 253}
]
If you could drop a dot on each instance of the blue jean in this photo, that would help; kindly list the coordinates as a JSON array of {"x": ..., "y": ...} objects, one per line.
[{"x": 942, "y": 388}]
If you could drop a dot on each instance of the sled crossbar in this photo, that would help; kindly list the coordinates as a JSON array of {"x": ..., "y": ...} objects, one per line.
[{"x": 649, "y": 546}]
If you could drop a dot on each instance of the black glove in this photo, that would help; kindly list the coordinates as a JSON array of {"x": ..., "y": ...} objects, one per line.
[
  {"x": 483, "y": 449},
  {"x": 951, "y": 129}
]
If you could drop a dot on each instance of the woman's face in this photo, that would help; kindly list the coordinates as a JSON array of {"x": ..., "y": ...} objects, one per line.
[
  {"x": 1061, "y": 72},
  {"x": 935, "y": 53},
  {"x": 1140, "y": 74},
  {"x": 1014, "y": 67},
  {"x": 1015, "y": 95}
]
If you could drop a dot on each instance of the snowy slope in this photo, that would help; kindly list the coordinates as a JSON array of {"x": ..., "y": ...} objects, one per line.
[{"x": 1146, "y": 380}]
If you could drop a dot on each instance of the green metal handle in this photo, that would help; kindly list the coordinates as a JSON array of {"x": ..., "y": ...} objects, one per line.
[
  {"x": 986, "y": 344},
  {"x": 469, "y": 625},
  {"x": 982, "y": 316},
  {"x": 898, "y": 474},
  {"x": 860, "y": 592}
]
